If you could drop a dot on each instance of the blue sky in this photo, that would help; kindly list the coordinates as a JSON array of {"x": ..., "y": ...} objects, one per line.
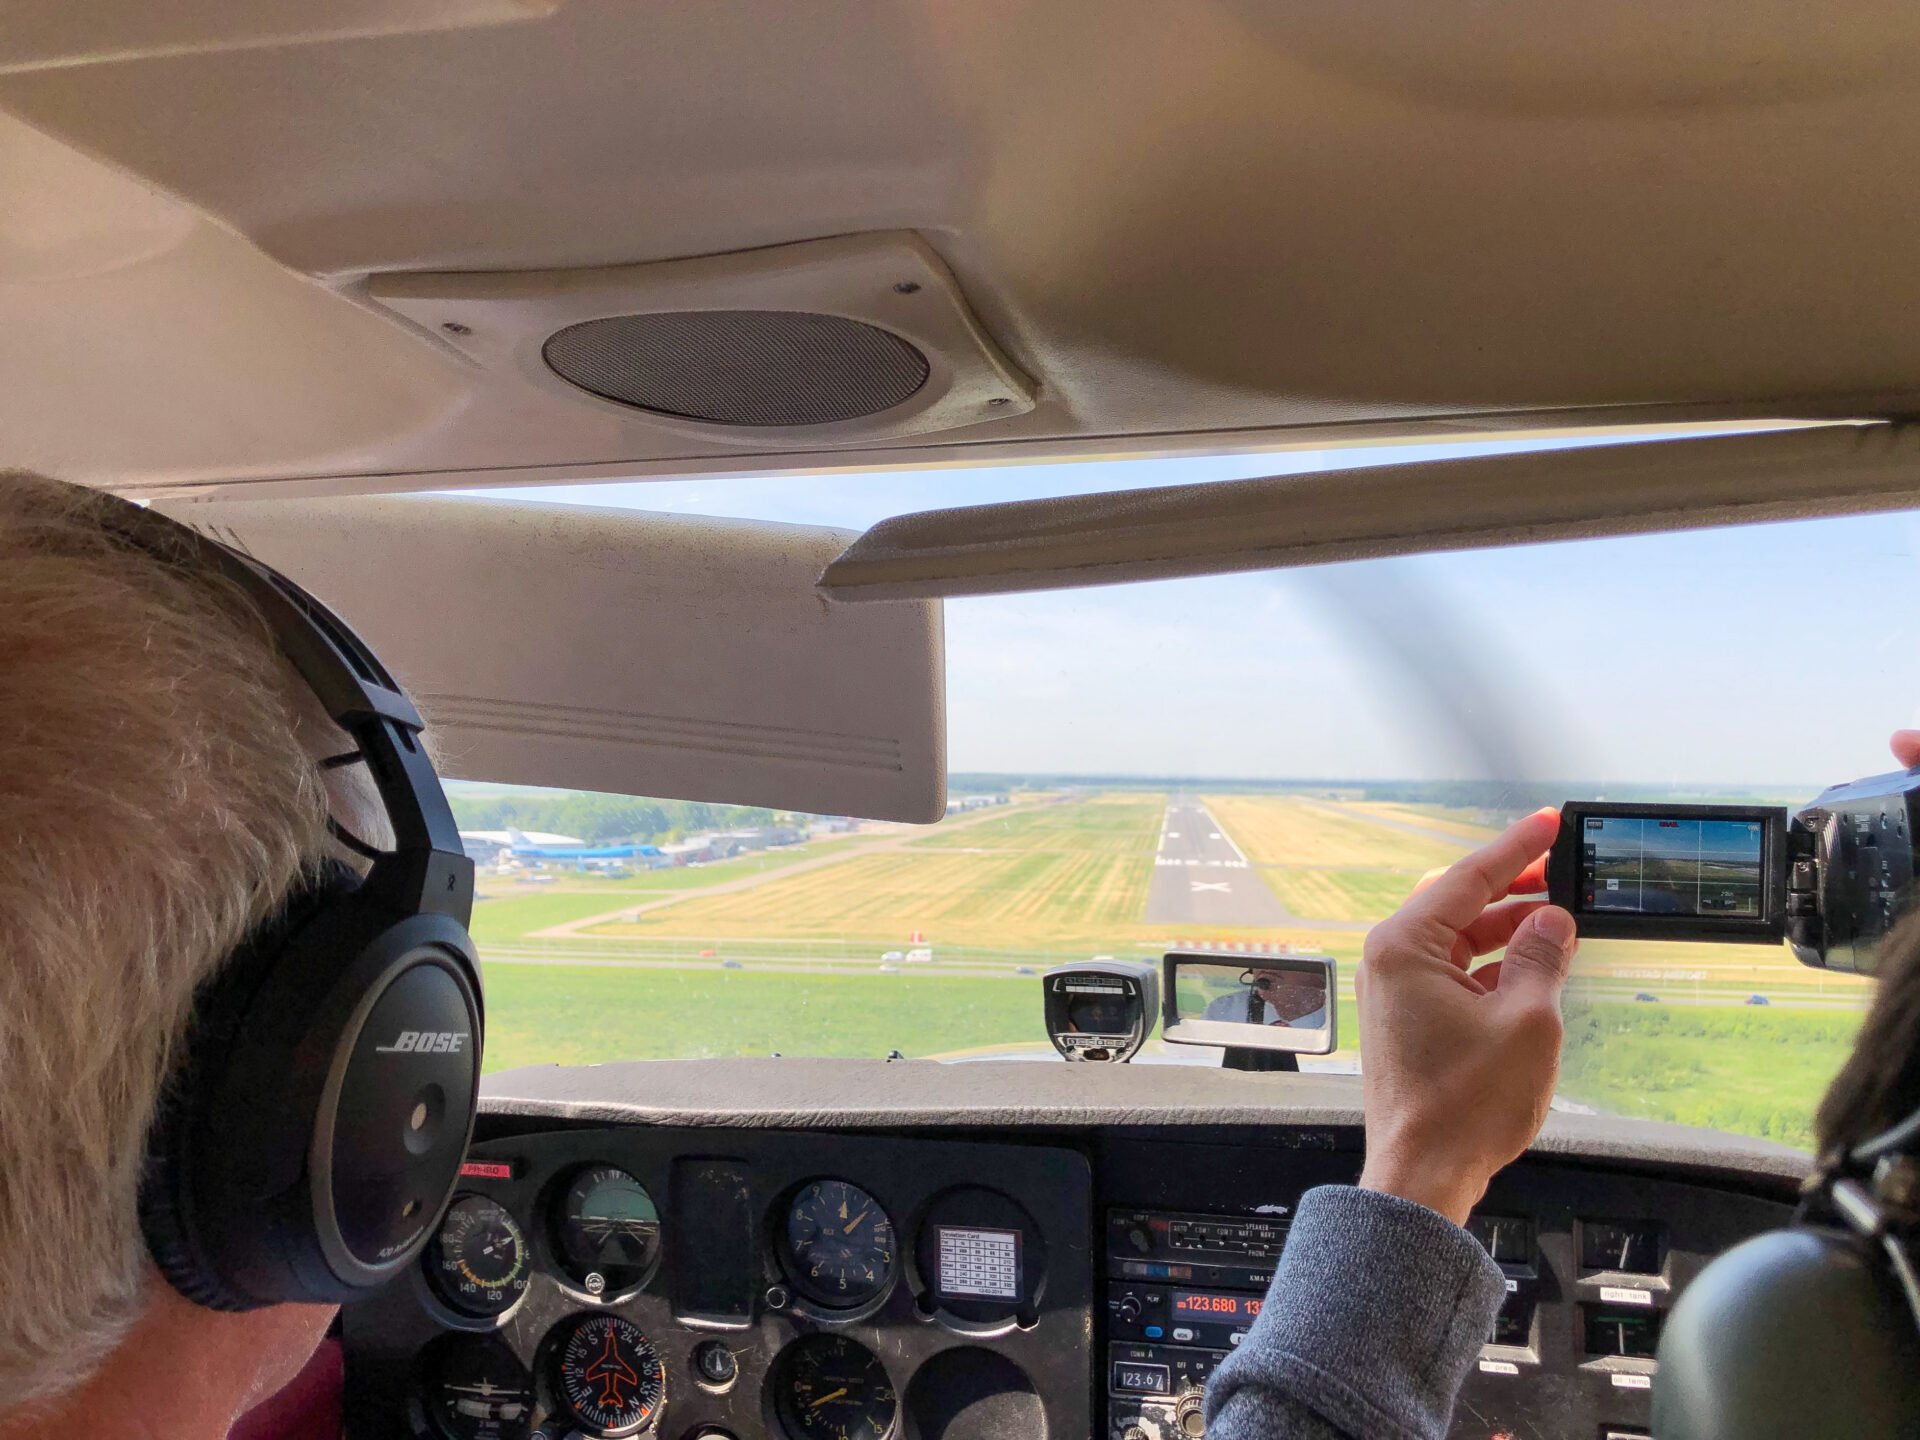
[{"x": 1758, "y": 655}]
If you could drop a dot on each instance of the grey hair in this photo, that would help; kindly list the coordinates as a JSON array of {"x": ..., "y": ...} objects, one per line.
[{"x": 158, "y": 799}]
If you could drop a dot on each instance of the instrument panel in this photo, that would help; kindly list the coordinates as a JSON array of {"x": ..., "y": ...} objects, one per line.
[
  {"x": 593, "y": 1284},
  {"x": 1593, "y": 1260},
  {"x": 712, "y": 1283}
]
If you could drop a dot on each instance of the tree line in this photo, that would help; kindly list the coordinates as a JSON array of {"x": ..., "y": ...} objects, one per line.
[{"x": 601, "y": 819}]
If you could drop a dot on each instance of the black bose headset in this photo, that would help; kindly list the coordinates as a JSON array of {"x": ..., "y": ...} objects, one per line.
[
  {"x": 313, "y": 1134},
  {"x": 1812, "y": 1330}
]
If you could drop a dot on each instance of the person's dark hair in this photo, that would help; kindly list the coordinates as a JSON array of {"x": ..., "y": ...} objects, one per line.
[{"x": 1879, "y": 1086}]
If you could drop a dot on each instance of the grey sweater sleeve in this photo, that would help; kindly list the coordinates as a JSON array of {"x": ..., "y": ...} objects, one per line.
[{"x": 1376, "y": 1313}]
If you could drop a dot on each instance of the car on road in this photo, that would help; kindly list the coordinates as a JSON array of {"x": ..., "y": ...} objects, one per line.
[
  {"x": 893, "y": 955},
  {"x": 920, "y": 955},
  {"x": 1756, "y": 1000},
  {"x": 1645, "y": 998}
]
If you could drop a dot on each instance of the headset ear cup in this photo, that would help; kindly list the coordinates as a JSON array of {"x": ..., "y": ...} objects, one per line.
[
  {"x": 164, "y": 1202},
  {"x": 168, "y": 1241},
  {"x": 1789, "y": 1335}
]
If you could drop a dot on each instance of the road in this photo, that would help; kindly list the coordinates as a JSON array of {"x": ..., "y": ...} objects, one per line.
[{"x": 1201, "y": 878}]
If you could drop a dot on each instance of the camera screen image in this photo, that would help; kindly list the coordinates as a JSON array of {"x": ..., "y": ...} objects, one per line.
[{"x": 1647, "y": 865}]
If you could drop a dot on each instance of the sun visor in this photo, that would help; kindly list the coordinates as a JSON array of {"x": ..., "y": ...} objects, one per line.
[
  {"x": 644, "y": 654},
  {"x": 1353, "y": 514}
]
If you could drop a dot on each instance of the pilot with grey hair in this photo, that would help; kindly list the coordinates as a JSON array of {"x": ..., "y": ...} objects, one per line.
[
  {"x": 161, "y": 792},
  {"x": 1272, "y": 996}
]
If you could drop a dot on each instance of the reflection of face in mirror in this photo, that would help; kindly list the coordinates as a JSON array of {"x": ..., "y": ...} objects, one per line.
[
  {"x": 1277, "y": 995},
  {"x": 1291, "y": 997}
]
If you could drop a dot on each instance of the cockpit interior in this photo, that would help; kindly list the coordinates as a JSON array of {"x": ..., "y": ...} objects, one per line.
[{"x": 879, "y": 507}]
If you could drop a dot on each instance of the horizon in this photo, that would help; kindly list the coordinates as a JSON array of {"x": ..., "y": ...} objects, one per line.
[{"x": 1694, "y": 660}]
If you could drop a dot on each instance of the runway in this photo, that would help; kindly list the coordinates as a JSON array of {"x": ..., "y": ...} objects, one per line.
[{"x": 1201, "y": 878}]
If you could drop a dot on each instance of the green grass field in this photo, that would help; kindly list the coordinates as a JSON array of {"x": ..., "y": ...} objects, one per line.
[
  {"x": 888, "y": 896},
  {"x": 539, "y": 1014},
  {"x": 1110, "y": 824},
  {"x": 1056, "y": 878},
  {"x": 1282, "y": 830},
  {"x": 1457, "y": 823},
  {"x": 1756, "y": 1072},
  {"x": 1340, "y": 894},
  {"x": 510, "y": 909}
]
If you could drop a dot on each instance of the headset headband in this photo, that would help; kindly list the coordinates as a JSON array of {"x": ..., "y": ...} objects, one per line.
[{"x": 427, "y": 871}]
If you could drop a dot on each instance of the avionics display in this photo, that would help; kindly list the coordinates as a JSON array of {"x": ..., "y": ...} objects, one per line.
[
  {"x": 1667, "y": 865},
  {"x": 1165, "y": 1339},
  {"x": 1215, "y": 1307}
]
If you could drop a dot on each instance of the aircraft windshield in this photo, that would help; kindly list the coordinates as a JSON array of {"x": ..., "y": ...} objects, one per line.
[{"x": 1252, "y": 764}]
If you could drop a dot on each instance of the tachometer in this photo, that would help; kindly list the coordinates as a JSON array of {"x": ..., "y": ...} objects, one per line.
[
  {"x": 608, "y": 1230},
  {"x": 609, "y": 1374},
  {"x": 831, "y": 1388},
  {"x": 478, "y": 1258},
  {"x": 839, "y": 1244}
]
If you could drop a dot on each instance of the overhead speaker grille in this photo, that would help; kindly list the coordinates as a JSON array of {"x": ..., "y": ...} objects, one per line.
[{"x": 740, "y": 367}]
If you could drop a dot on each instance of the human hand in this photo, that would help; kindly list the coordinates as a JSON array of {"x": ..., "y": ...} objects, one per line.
[
  {"x": 1906, "y": 748},
  {"x": 1458, "y": 1067}
]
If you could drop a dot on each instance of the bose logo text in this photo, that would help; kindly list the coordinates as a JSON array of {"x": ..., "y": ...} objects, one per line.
[{"x": 422, "y": 1042}]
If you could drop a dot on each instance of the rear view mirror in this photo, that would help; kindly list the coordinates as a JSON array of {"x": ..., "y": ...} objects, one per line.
[{"x": 1263, "y": 1002}]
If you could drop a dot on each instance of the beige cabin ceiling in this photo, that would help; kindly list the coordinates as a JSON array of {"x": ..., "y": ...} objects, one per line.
[{"x": 1189, "y": 225}]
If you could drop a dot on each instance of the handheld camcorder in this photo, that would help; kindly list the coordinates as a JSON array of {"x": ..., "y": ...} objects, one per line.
[{"x": 1831, "y": 880}]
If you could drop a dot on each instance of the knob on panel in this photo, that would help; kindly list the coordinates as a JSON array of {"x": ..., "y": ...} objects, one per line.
[{"x": 1189, "y": 1413}]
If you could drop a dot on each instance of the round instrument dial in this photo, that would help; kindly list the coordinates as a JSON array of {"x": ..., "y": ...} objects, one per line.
[
  {"x": 609, "y": 1374},
  {"x": 475, "y": 1389},
  {"x": 833, "y": 1388},
  {"x": 608, "y": 1231},
  {"x": 839, "y": 1244},
  {"x": 478, "y": 1258}
]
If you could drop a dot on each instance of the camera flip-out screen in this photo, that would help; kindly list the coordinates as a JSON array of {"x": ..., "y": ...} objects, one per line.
[
  {"x": 1660, "y": 865},
  {"x": 1678, "y": 872}
]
